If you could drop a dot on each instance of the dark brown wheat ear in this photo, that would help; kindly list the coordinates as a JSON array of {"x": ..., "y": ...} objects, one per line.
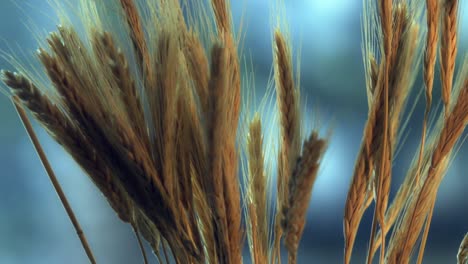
[{"x": 300, "y": 189}]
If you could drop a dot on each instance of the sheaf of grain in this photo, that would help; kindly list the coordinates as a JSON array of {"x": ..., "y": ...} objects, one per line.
[
  {"x": 162, "y": 144},
  {"x": 124, "y": 145},
  {"x": 168, "y": 76}
]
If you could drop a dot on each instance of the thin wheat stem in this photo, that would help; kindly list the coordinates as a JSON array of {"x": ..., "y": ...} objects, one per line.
[{"x": 53, "y": 179}]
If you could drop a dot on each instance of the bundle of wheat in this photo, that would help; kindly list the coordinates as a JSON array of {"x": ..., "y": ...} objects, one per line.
[{"x": 156, "y": 128}]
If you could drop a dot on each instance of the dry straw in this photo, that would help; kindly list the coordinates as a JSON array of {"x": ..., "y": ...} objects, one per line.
[{"x": 153, "y": 116}]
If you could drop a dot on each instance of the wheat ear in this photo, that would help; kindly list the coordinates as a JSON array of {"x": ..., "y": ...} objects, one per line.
[
  {"x": 112, "y": 58},
  {"x": 448, "y": 48},
  {"x": 216, "y": 130},
  {"x": 430, "y": 54},
  {"x": 288, "y": 105},
  {"x": 198, "y": 66},
  {"x": 258, "y": 192},
  {"x": 137, "y": 34},
  {"x": 229, "y": 152},
  {"x": 300, "y": 190}
]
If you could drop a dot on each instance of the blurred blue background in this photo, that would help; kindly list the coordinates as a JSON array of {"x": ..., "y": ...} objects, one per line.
[{"x": 35, "y": 229}]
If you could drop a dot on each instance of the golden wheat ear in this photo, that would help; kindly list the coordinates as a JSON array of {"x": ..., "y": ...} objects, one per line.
[{"x": 448, "y": 48}]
